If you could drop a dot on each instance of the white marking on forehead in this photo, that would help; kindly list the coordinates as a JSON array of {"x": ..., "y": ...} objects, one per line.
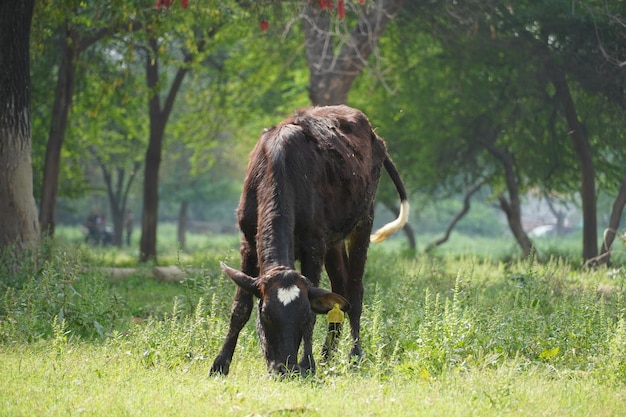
[{"x": 288, "y": 294}]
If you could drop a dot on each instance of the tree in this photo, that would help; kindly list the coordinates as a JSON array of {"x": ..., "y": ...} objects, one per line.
[
  {"x": 464, "y": 210},
  {"x": 452, "y": 120},
  {"x": 607, "y": 119},
  {"x": 159, "y": 112},
  {"x": 568, "y": 55},
  {"x": 190, "y": 34},
  {"x": 76, "y": 32},
  {"x": 108, "y": 120},
  {"x": 614, "y": 221},
  {"x": 19, "y": 227},
  {"x": 549, "y": 54},
  {"x": 196, "y": 162},
  {"x": 581, "y": 145},
  {"x": 337, "y": 53}
]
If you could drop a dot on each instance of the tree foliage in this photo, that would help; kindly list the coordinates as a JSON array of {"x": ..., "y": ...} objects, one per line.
[
  {"x": 482, "y": 86},
  {"x": 518, "y": 97}
]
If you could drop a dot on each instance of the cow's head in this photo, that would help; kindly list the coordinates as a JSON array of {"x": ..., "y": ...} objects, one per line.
[{"x": 286, "y": 303}]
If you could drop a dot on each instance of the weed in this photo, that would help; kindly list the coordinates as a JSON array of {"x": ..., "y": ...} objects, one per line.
[{"x": 60, "y": 291}]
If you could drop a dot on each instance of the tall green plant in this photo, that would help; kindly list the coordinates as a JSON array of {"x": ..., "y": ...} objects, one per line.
[{"x": 60, "y": 293}]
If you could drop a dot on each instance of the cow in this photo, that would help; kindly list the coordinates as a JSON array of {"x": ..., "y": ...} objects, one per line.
[{"x": 308, "y": 195}]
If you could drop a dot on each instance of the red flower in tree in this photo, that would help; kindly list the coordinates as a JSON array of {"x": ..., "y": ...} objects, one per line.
[
  {"x": 341, "y": 9},
  {"x": 162, "y": 3},
  {"x": 167, "y": 3},
  {"x": 264, "y": 25}
]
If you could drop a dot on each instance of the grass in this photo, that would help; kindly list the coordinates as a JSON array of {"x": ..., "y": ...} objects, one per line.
[
  {"x": 444, "y": 334},
  {"x": 88, "y": 380}
]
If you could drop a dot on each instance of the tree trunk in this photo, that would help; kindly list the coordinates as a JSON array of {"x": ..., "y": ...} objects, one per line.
[
  {"x": 19, "y": 226},
  {"x": 158, "y": 121},
  {"x": 611, "y": 230},
  {"x": 558, "y": 215},
  {"x": 333, "y": 72},
  {"x": 464, "y": 210},
  {"x": 117, "y": 212},
  {"x": 513, "y": 210},
  {"x": 182, "y": 224},
  {"x": 117, "y": 202},
  {"x": 118, "y": 196},
  {"x": 513, "y": 207},
  {"x": 149, "y": 215},
  {"x": 58, "y": 126},
  {"x": 71, "y": 47},
  {"x": 153, "y": 161},
  {"x": 584, "y": 152}
]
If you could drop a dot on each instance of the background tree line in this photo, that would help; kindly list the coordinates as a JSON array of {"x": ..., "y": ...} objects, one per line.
[{"x": 470, "y": 95}]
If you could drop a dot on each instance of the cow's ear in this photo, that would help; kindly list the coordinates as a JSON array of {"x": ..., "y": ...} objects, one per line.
[
  {"x": 322, "y": 301},
  {"x": 244, "y": 281}
]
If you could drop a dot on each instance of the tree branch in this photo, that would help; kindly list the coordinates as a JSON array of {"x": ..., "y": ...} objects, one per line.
[{"x": 466, "y": 207}]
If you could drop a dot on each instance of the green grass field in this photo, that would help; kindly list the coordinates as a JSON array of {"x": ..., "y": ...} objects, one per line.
[{"x": 444, "y": 335}]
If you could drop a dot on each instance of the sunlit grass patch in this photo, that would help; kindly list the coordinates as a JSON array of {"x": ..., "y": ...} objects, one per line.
[
  {"x": 442, "y": 335},
  {"x": 104, "y": 380}
]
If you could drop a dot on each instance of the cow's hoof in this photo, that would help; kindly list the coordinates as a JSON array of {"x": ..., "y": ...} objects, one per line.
[
  {"x": 220, "y": 367},
  {"x": 307, "y": 366},
  {"x": 356, "y": 356}
]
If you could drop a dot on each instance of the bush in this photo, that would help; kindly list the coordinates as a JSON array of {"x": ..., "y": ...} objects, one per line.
[
  {"x": 425, "y": 321},
  {"x": 60, "y": 292}
]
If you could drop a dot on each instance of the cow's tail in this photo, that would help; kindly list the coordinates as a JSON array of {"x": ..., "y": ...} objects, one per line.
[{"x": 392, "y": 227}]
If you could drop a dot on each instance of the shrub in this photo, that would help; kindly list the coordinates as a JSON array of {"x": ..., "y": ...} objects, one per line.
[{"x": 60, "y": 291}]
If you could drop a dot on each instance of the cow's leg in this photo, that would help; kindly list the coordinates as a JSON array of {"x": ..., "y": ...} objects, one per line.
[
  {"x": 240, "y": 313},
  {"x": 239, "y": 316},
  {"x": 311, "y": 265},
  {"x": 358, "y": 243},
  {"x": 336, "y": 262},
  {"x": 307, "y": 362}
]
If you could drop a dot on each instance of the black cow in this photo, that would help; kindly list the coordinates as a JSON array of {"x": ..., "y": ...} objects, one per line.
[{"x": 309, "y": 196}]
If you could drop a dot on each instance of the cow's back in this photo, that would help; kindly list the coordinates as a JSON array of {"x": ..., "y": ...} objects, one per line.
[
  {"x": 318, "y": 171},
  {"x": 350, "y": 160}
]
